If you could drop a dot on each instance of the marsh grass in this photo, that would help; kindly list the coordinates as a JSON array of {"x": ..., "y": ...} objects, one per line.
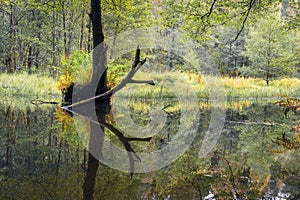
[
  {"x": 17, "y": 90},
  {"x": 170, "y": 85},
  {"x": 234, "y": 88}
]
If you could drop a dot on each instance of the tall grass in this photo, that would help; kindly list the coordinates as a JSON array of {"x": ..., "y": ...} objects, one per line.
[
  {"x": 18, "y": 90},
  {"x": 234, "y": 88},
  {"x": 170, "y": 85}
]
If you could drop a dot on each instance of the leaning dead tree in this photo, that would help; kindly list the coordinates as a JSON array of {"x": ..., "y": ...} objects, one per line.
[
  {"x": 128, "y": 79},
  {"x": 100, "y": 99}
]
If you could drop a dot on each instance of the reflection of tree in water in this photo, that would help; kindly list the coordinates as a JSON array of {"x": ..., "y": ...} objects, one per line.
[
  {"x": 102, "y": 106},
  {"x": 257, "y": 165},
  {"x": 245, "y": 163}
]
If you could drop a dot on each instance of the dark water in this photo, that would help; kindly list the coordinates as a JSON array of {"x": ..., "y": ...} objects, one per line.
[{"x": 255, "y": 157}]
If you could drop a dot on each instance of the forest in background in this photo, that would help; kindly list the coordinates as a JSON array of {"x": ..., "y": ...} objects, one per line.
[{"x": 250, "y": 38}]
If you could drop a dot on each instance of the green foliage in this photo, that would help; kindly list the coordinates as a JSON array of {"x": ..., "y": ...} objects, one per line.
[
  {"x": 77, "y": 67},
  {"x": 195, "y": 18},
  {"x": 116, "y": 72},
  {"x": 271, "y": 49},
  {"x": 72, "y": 63},
  {"x": 119, "y": 16}
]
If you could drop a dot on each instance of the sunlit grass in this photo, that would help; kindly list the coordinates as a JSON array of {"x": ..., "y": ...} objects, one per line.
[
  {"x": 27, "y": 85},
  {"x": 234, "y": 88},
  {"x": 17, "y": 90},
  {"x": 169, "y": 85}
]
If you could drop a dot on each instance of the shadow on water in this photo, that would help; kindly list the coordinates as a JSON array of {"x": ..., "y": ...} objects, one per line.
[{"x": 257, "y": 156}]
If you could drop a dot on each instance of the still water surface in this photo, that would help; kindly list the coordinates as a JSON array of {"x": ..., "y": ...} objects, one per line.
[{"x": 256, "y": 156}]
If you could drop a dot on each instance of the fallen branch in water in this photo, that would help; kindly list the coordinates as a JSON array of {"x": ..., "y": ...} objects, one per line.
[{"x": 253, "y": 123}]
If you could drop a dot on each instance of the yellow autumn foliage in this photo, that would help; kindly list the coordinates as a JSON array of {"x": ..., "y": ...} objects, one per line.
[
  {"x": 297, "y": 136},
  {"x": 63, "y": 117},
  {"x": 64, "y": 81}
]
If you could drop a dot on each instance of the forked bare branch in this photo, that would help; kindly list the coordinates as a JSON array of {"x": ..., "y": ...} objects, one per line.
[{"x": 128, "y": 79}]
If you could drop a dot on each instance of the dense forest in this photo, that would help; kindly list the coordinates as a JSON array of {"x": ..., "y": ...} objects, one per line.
[{"x": 245, "y": 38}]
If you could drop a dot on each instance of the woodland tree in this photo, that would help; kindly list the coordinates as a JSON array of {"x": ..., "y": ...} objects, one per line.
[{"x": 271, "y": 48}]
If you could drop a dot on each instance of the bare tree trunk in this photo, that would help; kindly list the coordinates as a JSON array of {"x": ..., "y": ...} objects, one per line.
[
  {"x": 90, "y": 179},
  {"x": 64, "y": 29},
  {"x": 37, "y": 52},
  {"x": 12, "y": 36},
  {"x": 267, "y": 76},
  {"x": 10, "y": 130},
  {"x": 54, "y": 50},
  {"x": 99, "y": 65},
  {"x": 89, "y": 36},
  {"x": 284, "y": 9},
  {"x": 82, "y": 30},
  {"x": 69, "y": 43}
]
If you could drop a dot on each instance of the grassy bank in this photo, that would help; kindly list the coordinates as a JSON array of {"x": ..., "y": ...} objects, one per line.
[
  {"x": 234, "y": 88},
  {"x": 43, "y": 87},
  {"x": 17, "y": 90}
]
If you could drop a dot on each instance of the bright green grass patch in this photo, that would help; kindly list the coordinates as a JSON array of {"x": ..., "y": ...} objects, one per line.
[
  {"x": 174, "y": 84},
  {"x": 17, "y": 90},
  {"x": 27, "y": 85},
  {"x": 171, "y": 85}
]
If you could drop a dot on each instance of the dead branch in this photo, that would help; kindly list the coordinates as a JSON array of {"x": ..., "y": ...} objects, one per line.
[
  {"x": 124, "y": 140},
  {"x": 234, "y": 188},
  {"x": 128, "y": 79},
  {"x": 251, "y": 3},
  {"x": 210, "y": 10},
  {"x": 253, "y": 123}
]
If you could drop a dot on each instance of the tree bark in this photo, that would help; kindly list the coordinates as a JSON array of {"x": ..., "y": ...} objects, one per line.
[
  {"x": 65, "y": 29},
  {"x": 54, "y": 50},
  {"x": 82, "y": 30},
  {"x": 99, "y": 70},
  {"x": 69, "y": 43},
  {"x": 12, "y": 36}
]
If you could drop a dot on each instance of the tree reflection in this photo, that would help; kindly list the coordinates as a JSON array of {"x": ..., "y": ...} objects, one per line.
[{"x": 82, "y": 106}]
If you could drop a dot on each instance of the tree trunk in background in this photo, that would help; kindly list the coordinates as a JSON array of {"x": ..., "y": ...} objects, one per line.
[
  {"x": 29, "y": 59},
  {"x": 89, "y": 35},
  {"x": 37, "y": 52},
  {"x": 64, "y": 29},
  {"x": 284, "y": 9},
  {"x": 81, "y": 30},
  {"x": 70, "y": 31},
  {"x": 12, "y": 36},
  {"x": 54, "y": 71}
]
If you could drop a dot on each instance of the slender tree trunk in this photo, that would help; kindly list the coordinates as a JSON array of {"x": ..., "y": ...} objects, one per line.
[
  {"x": 29, "y": 59},
  {"x": 10, "y": 130},
  {"x": 82, "y": 30},
  {"x": 38, "y": 37},
  {"x": 64, "y": 29},
  {"x": 54, "y": 50},
  {"x": 69, "y": 43},
  {"x": 89, "y": 35},
  {"x": 267, "y": 76},
  {"x": 12, "y": 36},
  {"x": 284, "y": 9}
]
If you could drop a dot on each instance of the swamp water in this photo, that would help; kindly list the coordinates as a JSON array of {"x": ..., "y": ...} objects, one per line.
[{"x": 255, "y": 157}]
